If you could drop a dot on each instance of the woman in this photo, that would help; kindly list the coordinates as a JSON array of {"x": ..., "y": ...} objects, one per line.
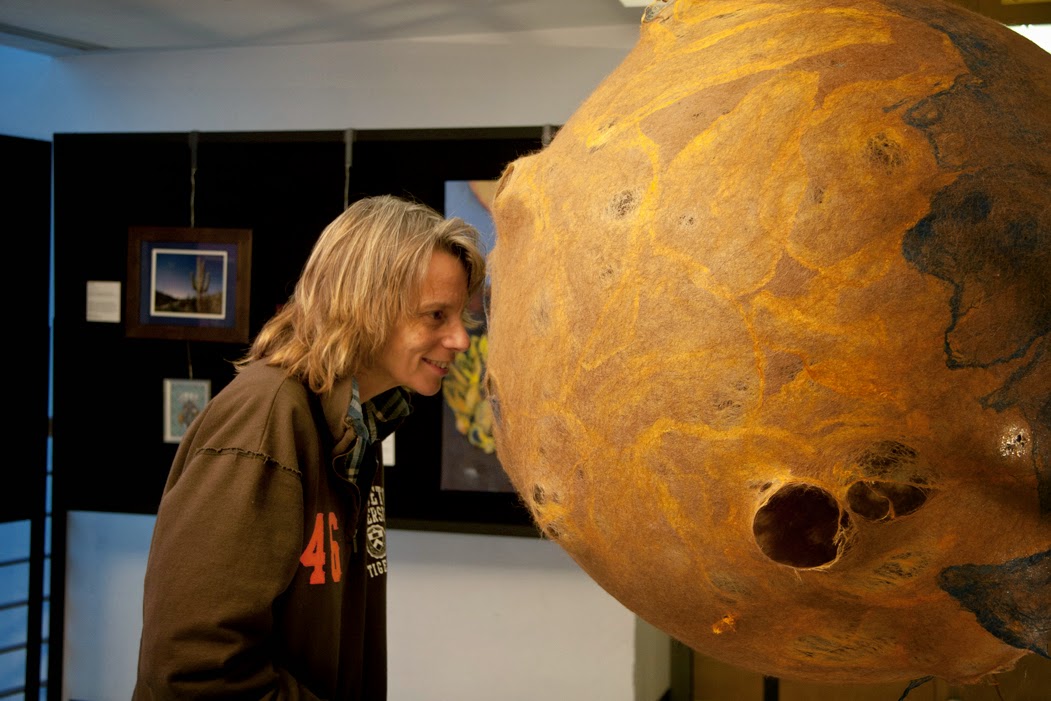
[{"x": 267, "y": 570}]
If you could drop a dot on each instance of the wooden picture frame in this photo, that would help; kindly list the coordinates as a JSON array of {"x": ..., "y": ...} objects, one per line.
[{"x": 188, "y": 283}]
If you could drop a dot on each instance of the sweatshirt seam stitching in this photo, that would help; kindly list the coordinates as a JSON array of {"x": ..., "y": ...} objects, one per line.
[{"x": 250, "y": 454}]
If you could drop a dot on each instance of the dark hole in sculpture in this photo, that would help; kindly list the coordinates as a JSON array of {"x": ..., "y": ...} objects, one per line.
[
  {"x": 799, "y": 526},
  {"x": 876, "y": 500}
]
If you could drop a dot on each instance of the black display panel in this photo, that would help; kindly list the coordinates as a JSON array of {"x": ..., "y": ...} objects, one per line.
[
  {"x": 27, "y": 212},
  {"x": 109, "y": 448}
]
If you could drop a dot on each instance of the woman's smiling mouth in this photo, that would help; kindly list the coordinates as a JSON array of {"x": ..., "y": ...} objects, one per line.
[{"x": 443, "y": 366}]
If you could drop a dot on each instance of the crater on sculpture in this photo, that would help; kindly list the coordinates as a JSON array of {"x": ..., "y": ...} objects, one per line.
[{"x": 800, "y": 526}]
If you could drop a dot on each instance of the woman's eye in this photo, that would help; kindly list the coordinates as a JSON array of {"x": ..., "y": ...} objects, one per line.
[{"x": 438, "y": 315}]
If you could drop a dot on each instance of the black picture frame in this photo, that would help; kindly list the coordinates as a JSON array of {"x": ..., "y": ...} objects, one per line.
[
  {"x": 417, "y": 164},
  {"x": 159, "y": 302}
]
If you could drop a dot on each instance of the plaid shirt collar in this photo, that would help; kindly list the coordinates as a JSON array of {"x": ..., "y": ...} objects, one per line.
[{"x": 372, "y": 422}]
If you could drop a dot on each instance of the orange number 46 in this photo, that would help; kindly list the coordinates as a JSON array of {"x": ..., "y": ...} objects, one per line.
[{"x": 314, "y": 554}]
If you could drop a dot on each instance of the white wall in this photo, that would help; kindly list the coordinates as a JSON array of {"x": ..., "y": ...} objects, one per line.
[
  {"x": 471, "y": 617},
  {"x": 517, "y": 622},
  {"x": 476, "y": 81}
]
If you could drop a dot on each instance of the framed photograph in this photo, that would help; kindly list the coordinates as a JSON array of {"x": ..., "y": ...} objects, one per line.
[
  {"x": 183, "y": 401},
  {"x": 188, "y": 283}
]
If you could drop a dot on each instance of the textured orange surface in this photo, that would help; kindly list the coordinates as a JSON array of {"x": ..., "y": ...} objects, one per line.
[{"x": 768, "y": 337}]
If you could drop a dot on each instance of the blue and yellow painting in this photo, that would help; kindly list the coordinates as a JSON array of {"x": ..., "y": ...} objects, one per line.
[{"x": 469, "y": 461}]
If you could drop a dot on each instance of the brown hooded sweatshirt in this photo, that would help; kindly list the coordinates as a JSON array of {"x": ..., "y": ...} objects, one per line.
[{"x": 266, "y": 576}]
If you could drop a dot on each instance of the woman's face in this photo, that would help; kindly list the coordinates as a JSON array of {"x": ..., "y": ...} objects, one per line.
[{"x": 423, "y": 344}]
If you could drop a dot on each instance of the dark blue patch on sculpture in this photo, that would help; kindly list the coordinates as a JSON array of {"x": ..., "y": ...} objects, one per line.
[
  {"x": 1012, "y": 601},
  {"x": 993, "y": 246},
  {"x": 982, "y": 57}
]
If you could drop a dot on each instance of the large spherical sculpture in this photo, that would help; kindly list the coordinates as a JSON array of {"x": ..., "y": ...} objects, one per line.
[{"x": 769, "y": 336}]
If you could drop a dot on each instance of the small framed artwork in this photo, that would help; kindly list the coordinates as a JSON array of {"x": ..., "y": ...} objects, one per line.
[
  {"x": 183, "y": 401},
  {"x": 188, "y": 283}
]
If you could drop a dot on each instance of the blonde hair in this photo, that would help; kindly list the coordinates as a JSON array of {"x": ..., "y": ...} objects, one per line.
[{"x": 363, "y": 275}]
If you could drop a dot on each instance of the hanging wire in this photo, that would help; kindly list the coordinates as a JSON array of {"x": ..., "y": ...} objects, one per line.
[
  {"x": 193, "y": 178},
  {"x": 189, "y": 361},
  {"x": 348, "y": 157},
  {"x": 193, "y": 223}
]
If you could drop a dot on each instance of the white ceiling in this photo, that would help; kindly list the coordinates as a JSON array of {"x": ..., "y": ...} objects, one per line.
[{"x": 62, "y": 27}]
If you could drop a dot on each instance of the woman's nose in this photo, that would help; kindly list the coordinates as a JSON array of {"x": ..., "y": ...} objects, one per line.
[{"x": 458, "y": 339}]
